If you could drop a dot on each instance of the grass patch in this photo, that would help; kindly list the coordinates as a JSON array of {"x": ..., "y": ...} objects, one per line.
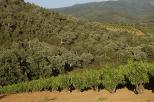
[{"x": 102, "y": 99}]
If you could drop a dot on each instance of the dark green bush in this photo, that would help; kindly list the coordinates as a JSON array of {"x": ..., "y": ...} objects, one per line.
[{"x": 10, "y": 69}]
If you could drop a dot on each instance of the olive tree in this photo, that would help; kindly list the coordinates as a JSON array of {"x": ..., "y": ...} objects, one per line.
[
  {"x": 10, "y": 70},
  {"x": 86, "y": 59}
]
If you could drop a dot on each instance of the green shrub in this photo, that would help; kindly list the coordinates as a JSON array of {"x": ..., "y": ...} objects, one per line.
[
  {"x": 79, "y": 81},
  {"x": 86, "y": 79},
  {"x": 61, "y": 82},
  {"x": 137, "y": 74},
  {"x": 93, "y": 78},
  {"x": 112, "y": 77}
]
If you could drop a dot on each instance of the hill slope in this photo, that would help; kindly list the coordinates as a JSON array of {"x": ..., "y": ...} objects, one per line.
[
  {"x": 36, "y": 42},
  {"x": 121, "y": 11}
]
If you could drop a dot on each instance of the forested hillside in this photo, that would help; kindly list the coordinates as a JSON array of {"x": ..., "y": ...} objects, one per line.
[
  {"x": 38, "y": 43},
  {"x": 118, "y": 11}
]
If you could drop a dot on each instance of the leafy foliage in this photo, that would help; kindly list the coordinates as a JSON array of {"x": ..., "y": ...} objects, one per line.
[
  {"x": 135, "y": 72},
  {"x": 112, "y": 78}
]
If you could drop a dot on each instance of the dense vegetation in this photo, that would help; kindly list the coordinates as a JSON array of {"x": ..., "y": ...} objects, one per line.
[
  {"x": 38, "y": 43},
  {"x": 137, "y": 74}
]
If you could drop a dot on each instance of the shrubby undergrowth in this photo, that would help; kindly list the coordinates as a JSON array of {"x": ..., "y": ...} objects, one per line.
[
  {"x": 49, "y": 44},
  {"x": 135, "y": 73}
]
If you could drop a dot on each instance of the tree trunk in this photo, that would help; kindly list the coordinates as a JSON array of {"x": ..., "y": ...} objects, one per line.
[
  {"x": 29, "y": 44},
  {"x": 139, "y": 89},
  {"x": 114, "y": 90}
]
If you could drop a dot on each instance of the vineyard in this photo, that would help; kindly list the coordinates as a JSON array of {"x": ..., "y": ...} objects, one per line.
[
  {"x": 134, "y": 74},
  {"x": 122, "y": 28}
]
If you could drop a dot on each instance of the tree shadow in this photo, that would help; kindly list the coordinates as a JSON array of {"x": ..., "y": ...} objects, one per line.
[
  {"x": 2, "y": 96},
  {"x": 150, "y": 85}
]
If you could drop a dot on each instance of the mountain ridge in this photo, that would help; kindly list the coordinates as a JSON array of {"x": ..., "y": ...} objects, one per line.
[{"x": 121, "y": 11}]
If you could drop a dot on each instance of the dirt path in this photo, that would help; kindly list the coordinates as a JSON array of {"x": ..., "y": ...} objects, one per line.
[{"x": 122, "y": 95}]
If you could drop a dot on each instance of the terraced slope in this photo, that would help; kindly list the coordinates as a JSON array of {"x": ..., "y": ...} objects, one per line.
[{"x": 123, "y": 28}]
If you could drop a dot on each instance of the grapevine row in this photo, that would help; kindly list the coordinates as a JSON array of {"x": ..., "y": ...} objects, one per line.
[{"x": 135, "y": 73}]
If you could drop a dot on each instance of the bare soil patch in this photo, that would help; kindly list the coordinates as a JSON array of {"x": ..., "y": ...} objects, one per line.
[{"x": 122, "y": 95}]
